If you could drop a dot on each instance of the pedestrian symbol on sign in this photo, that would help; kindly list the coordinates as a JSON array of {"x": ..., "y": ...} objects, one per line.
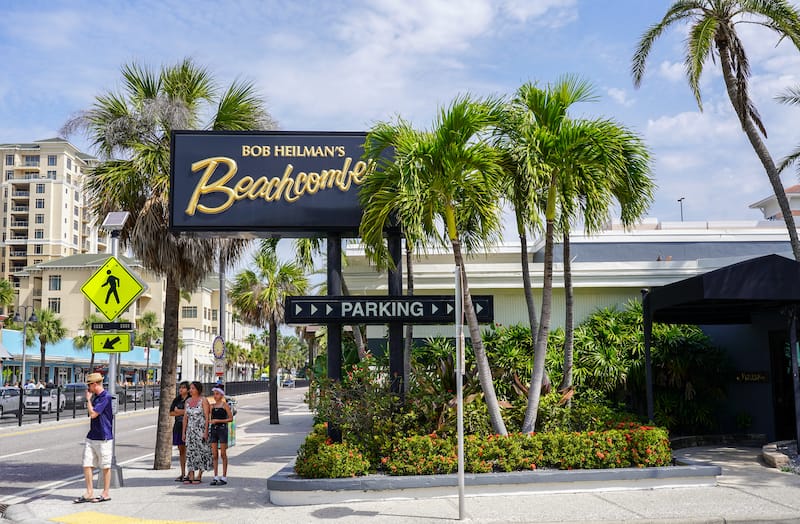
[{"x": 112, "y": 282}]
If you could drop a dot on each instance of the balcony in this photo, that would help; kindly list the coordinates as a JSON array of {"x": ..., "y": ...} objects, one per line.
[
  {"x": 17, "y": 254},
  {"x": 20, "y": 209},
  {"x": 24, "y": 194},
  {"x": 19, "y": 224}
]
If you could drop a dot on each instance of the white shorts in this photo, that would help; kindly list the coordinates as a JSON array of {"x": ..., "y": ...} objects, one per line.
[{"x": 97, "y": 454}]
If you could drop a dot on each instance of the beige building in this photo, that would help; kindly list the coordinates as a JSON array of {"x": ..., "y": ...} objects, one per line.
[
  {"x": 56, "y": 285},
  {"x": 45, "y": 210}
]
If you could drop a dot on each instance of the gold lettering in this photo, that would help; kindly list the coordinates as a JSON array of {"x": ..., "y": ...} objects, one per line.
[
  {"x": 271, "y": 189},
  {"x": 219, "y": 186}
]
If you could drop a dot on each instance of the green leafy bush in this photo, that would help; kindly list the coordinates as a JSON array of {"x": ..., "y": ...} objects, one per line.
[
  {"x": 626, "y": 445},
  {"x": 318, "y": 457}
]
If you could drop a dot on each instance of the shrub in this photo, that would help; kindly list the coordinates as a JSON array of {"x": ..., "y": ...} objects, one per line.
[
  {"x": 318, "y": 457},
  {"x": 626, "y": 445}
]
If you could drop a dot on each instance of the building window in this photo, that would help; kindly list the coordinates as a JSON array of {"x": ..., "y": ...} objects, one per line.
[
  {"x": 9, "y": 160},
  {"x": 55, "y": 283},
  {"x": 69, "y": 163},
  {"x": 75, "y": 211},
  {"x": 37, "y": 249},
  {"x": 214, "y": 330},
  {"x": 30, "y": 160},
  {"x": 9, "y": 175},
  {"x": 189, "y": 312},
  {"x": 39, "y": 218},
  {"x": 213, "y": 315},
  {"x": 51, "y": 175},
  {"x": 54, "y": 305},
  {"x": 52, "y": 160},
  {"x": 40, "y": 203},
  {"x": 75, "y": 225},
  {"x": 40, "y": 188},
  {"x": 38, "y": 233}
]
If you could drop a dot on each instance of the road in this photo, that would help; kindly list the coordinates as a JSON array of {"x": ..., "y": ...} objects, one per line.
[{"x": 37, "y": 457}]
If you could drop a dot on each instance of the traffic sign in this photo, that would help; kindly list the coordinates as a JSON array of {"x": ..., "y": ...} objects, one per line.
[
  {"x": 112, "y": 326},
  {"x": 421, "y": 309},
  {"x": 113, "y": 288},
  {"x": 111, "y": 343},
  {"x": 219, "y": 367},
  {"x": 218, "y": 348}
]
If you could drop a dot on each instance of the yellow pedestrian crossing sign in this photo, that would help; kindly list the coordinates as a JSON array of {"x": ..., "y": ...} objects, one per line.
[
  {"x": 111, "y": 342},
  {"x": 113, "y": 288}
]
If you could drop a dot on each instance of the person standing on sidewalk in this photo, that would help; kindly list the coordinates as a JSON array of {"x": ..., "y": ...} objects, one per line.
[
  {"x": 195, "y": 434},
  {"x": 177, "y": 410},
  {"x": 221, "y": 415},
  {"x": 99, "y": 441}
]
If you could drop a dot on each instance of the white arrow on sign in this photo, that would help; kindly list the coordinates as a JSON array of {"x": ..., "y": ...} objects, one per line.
[
  {"x": 313, "y": 309},
  {"x": 328, "y": 309},
  {"x": 434, "y": 309},
  {"x": 449, "y": 309},
  {"x": 478, "y": 308},
  {"x": 297, "y": 309}
]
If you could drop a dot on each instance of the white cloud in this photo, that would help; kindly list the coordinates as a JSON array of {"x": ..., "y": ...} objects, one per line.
[
  {"x": 620, "y": 96},
  {"x": 553, "y": 13}
]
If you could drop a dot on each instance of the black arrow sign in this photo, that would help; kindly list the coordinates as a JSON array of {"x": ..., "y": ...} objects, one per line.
[
  {"x": 423, "y": 309},
  {"x": 111, "y": 342}
]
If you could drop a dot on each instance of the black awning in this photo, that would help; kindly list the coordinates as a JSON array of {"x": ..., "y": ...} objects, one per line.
[{"x": 728, "y": 295}]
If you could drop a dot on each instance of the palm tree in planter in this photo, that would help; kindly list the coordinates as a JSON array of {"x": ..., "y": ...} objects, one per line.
[
  {"x": 579, "y": 167},
  {"x": 446, "y": 177}
]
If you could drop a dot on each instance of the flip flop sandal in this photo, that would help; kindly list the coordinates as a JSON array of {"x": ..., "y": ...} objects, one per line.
[
  {"x": 100, "y": 499},
  {"x": 83, "y": 499},
  {"x": 181, "y": 479},
  {"x": 197, "y": 481}
]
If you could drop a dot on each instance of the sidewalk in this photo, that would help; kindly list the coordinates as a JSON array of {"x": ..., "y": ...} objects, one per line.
[{"x": 747, "y": 492}]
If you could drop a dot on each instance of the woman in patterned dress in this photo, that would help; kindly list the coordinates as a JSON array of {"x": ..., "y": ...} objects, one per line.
[{"x": 195, "y": 434}]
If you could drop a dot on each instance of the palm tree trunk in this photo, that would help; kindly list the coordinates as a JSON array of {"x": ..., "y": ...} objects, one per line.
[
  {"x": 526, "y": 284},
  {"x": 42, "y": 351},
  {"x": 569, "y": 328},
  {"x": 273, "y": 371},
  {"x": 169, "y": 361},
  {"x": 481, "y": 360},
  {"x": 540, "y": 349},
  {"x": 409, "y": 338},
  {"x": 758, "y": 146}
]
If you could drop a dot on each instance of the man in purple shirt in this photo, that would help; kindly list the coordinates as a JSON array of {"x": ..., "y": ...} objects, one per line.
[{"x": 98, "y": 445}]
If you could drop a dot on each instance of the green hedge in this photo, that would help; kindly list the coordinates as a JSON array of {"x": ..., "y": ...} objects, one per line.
[{"x": 626, "y": 445}]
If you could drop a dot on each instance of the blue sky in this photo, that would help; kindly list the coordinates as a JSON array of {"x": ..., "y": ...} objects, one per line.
[{"x": 346, "y": 65}]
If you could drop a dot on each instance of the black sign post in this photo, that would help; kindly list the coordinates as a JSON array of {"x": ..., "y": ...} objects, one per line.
[{"x": 418, "y": 309}]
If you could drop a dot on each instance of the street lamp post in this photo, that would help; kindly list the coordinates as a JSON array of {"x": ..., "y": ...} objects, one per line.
[
  {"x": 680, "y": 201},
  {"x": 24, "y": 319}
]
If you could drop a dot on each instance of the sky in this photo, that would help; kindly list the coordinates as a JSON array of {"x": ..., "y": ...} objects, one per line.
[{"x": 343, "y": 66}]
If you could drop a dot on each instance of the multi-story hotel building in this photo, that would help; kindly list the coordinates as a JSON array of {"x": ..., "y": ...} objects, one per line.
[{"x": 45, "y": 210}]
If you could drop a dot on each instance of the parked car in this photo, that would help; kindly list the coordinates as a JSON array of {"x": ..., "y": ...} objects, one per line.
[
  {"x": 137, "y": 393},
  {"x": 51, "y": 400},
  {"x": 75, "y": 393},
  {"x": 9, "y": 400}
]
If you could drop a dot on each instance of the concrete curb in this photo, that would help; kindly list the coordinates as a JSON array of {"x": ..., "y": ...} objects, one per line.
[
  {"x": 774, "y": 458},
  {"x": 286, "y": 489}
]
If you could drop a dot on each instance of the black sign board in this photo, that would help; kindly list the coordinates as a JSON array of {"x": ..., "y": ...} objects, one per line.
[
  {"x": 280, "y": 182},
  {"x": 422, "y": 309},
  {"x": 112, "y": 326}
]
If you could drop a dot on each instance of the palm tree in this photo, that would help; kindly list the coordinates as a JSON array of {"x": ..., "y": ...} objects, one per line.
[
  {"x": 135, "y": 125},
  {"x": 447, "y": 176},
  {"x": 84, "y": 341},
  {"x": 7, "y": 294},
  {"x": 713, "y": 34},
  {"x": 259, "y": 295},
  {"x": 148, "y": 331},
  {"x": 579, "y": 167},
  {"x": 790, "y": 96},
  {"x": 49, "y": 330}
]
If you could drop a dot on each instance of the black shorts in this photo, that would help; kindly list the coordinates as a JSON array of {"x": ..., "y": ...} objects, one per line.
[{"x": 218, "y": 434}]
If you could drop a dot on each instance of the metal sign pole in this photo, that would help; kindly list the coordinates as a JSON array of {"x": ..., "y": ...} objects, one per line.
[
  {"x": 116, "y": 471},
  {"x": 460, "y": 389}
]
